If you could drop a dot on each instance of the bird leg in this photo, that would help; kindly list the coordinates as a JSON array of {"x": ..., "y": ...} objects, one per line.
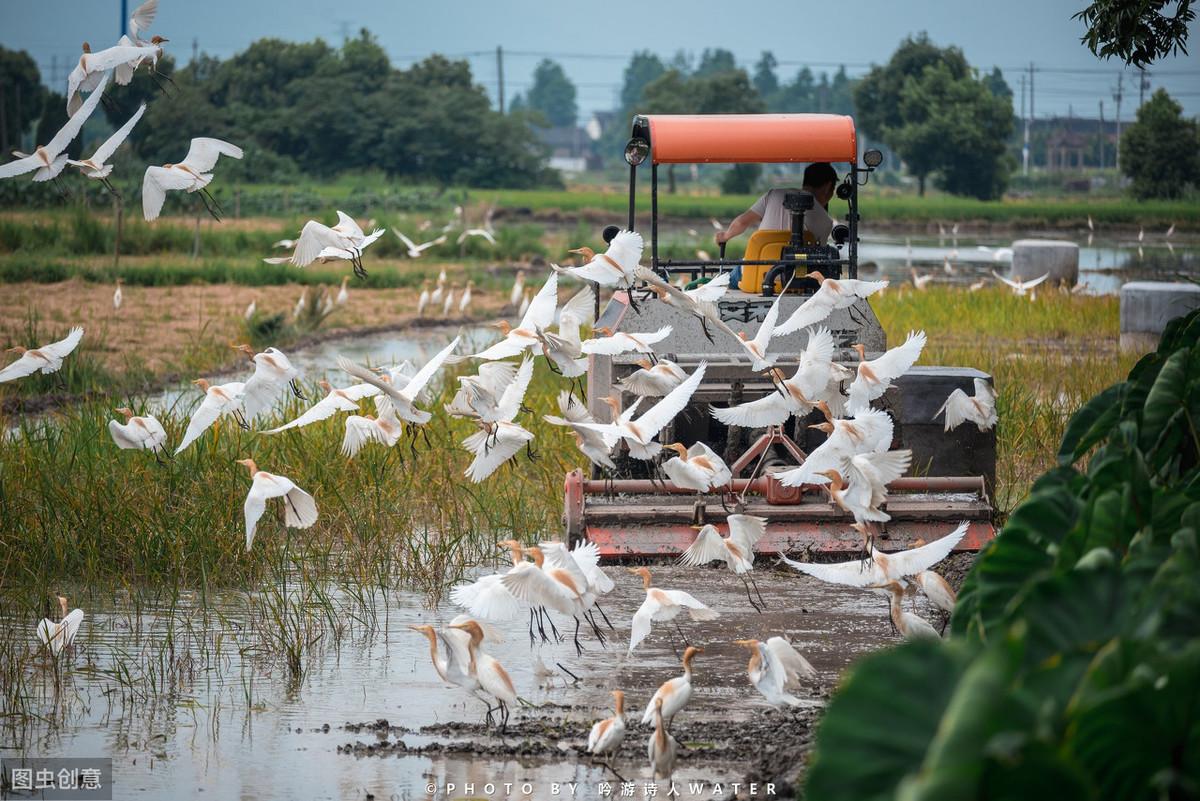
[
  {"x": 503, "y": 716},
  {"x": 681, "y": 634},
  {"x": 296, "y": 390},
  {"x": 707, "y": 334},
  {"x": 163, "y": 75},
  {"x": 749, "y": 598},
  {"x": 533, "y": 457},
  {"x": 204, "y": 199},
  {"x": 532, "y": 642},
  {"x": 595, "y": 628},
  {"x": 240, "y": 417},
  {"x": 758, "y": 592},
  {"x": 608, "y": 764},
  {"x": 212, "y": 199},
  {"x": 112, "y": 189},
  {"x": 63, "y": 192},
  {"x": 578, "y": 647},
  {"x": 600, "y": 609},
  {"x": 569, "y": 673},
  {"x": 425, "y": 436}
]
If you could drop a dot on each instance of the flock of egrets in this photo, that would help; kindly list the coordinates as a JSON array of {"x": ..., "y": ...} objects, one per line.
[{"x": 854, "y": 463}]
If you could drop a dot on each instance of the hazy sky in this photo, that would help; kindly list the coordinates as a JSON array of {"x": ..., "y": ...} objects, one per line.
[{"x": 594, "y": 41}]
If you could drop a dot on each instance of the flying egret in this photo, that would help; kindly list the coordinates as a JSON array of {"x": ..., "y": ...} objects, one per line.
[
  {"x": 616, "y": 266},
  {"x": 1018, "y": 286},
  {"x": 616, "y": 343},
  {"x": 662, "y": 605},
  {"x": 361, "y": 429},
  {"x": 639, "y": 434},
  {"x": 193, "y": 174},
  {"x": 95, "y": 166},
  {"x": 736, "y": 550},
  {"x": 875, "y": 376},
  {"x": 219, "y": 400},
  {"x": 51, "y": 158},
  {"x": 336, "y": 400},
  {"x": 980, "y": 409},
  {"x": 540, "y": 315},
  {"x": 595, "y": 446},
  {"x": 499, "y": 440},
  {"x": 653, "y": 380},
  {"x": 47, "y": 359},
  {"x": 696, "y": 468},
  {"x": 812, "y": 383},
  {"x": 833, "y": 294},
  {"x": 300, "y": 510},
  {"x": 487, "y": 598},
  {"x": 756, "y": 348},
  {"x": 138, "y": 433},
  {"x": 882, "y": 567},
  {"x": 476, "y": 232},
  {"x": 57, "y": 635},
  {"x": 699, "y": 302},
  {"x": 345, "y": 239},
  {"x": 869, "y": 431},
  {"x": 775, "y": 667},
  {"x": 415, "y": 251},
  {"x": 862, "y": 490},
  {"x": 564, "y": 349},
  {"x": 920, "y": 281},
  {"x": 273, "y": 374},
  {"x": 92, "y": 70}
]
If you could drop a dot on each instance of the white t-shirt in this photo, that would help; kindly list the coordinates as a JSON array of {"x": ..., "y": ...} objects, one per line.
[{"x": 775, "y": 217}]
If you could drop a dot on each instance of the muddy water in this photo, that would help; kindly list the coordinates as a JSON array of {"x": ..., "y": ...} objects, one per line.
[{"x": 231, "y": 724}]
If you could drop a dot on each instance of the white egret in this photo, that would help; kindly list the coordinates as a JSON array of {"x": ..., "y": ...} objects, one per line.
[
  {"x": 424, "y": 299},
  {"x": 47, "y": 359},
  {"x": 300, "y": 510},
  {"x": 616, "y": 266},
  {"x": 595, "y": 446},
  {"x": 138, "y": 433},
  {"x": 833, "y": 294},
  {"x": 95, "y": 166},
  {"x": 344, "y": 240},
  {"x": 415, "y": 251},
  {"x": 775, "y": 667},
  {"x": 736, "y": 550},
  {"x": 882, "y": 567},
  {"x": 493, "y": 678},
  {"x": 193, "y": 174},
  {"x": 343, "y": 294},
  {"x": 673, "y": 695},
  {"x": 361, "y": 429},
  {"x": 336, "y": 400},
  {"x": 606, "y": 735},
  {"x": 618, "y": 342},
  {"x": 862, "y": 491},
  {"x": 57, "y": 635},
  {"x": 653, "y": 380},
  {"x": 662, "y": 748},
  {"x": 464, "y": 303},
  {"x": 51, "y": 158},
  {"x": 639, "y": 435},
  {"x": 875, "y": 376},
  {"x": 539, "y": 316},
  {"x": 662, "y": 605},
  {"x": 273, "y": 374},
  {"x": 518, "y": 289},
  {"x": 696, "y": 468},
  {"x": 980, "y": 409},
  {"x": 118, "y": 296},
  {"x": 1018, "y": 286},
  {"x": 219, "y": 400},
  {"x": 910, "y": 626}
]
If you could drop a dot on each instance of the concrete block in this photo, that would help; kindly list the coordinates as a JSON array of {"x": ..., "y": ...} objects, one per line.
[
  {"x": 1147, "y": 307},
  {"x": 965, "y": 451},
  {"x": 1033, "y": 258}
]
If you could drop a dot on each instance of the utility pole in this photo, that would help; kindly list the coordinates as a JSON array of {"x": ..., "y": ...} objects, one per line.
[
  {"x": 500, "y": 76},
  {"x": 1101, "y": 134},
  {"x": 1117, "y": 97},
  {"x": 1025, "y": 141},
  {"x": 195, "y": 51},
  {"x": 124, "y": 16},
  {"x": 1030, "y": 98},
  {"x": 1143, "y": 85}
]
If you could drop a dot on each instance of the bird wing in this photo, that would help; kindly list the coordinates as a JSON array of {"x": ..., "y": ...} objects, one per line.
[
  {"x": 895, "y": 362},
  {"x": 641, "y": 382},
  {"x": 696, "y": 610},
  {"x": 816, "y": 358},
  {"x": 810, "y": 312},
  {"x": 770, "y": 410},
  {"x": 321, "y": 410},
  {"x": 349, "y": 226},
  {"x": 914, "y": 560},
  {"x": 143, "y": 18},
  {"x": 256, "y": 504},
  {"x": 495, "y": 376},
  {"x": 408, "y": 243},
  {"x": 74, "y": 124},
  {"x": 581, "y": 307},
  {"x": 1002, "y": 279},
  {"x": 795, "y": 666},
  {"x": 767, "y": 329},
  {"x": 105, "y": 151},
  {"x": 850, "y": 574},
  {"x": 558, "y": 556},
  {"x": 540, "y": 313},
  {"x": 314, "y": 238},
  {"x": 370, "y": 238},
  {"x": 493, "y": 450},
  {"x": 300, "y": 510},
  {"x": 1034, "y": 282},
  {"x": 587, "y": 556},
  {"x": 205, "y": 415},
  {"x": 514, "y": 393},
  {"x": 711, "y": 292},
  {"x": 259, "y": 391},
  {"x": 984, "y": 393},
  {"x": 707, "y": 547},
  {"x": 745, "y": 531},
  {"x": 203, "y": 154},
  {"x": 418, "y": 382},
  {"x": 64, "y": 346},
  {"x": 155, "y": 184},
  {"x": 607, "y": 346},
  {"x": 663, "y": 412},
  {"x": 20, "y": 166},
  {"x": 955, "y": 408},
  {"x": 369, "y": 377},
  {"x": 597, "y": 271},
  {"x": 639, "y": 627},
  {"x": 503, "y": 349},
  {"x": 528, "y": 583},
  {"x": 720, "y": 471}
]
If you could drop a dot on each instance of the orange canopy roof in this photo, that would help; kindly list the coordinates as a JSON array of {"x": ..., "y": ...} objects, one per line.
[{"x": 739, "y": 138}]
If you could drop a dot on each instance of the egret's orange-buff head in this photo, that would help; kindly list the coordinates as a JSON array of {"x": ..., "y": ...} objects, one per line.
[
  {"x": 202, "y": 383},
  {"x": 249, "y": 464}
]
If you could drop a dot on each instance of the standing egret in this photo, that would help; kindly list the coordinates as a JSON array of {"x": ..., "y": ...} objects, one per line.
[
  {"x": 58, "y": 635},
  {"x": 662, "y": 747},
  {"x": 424, "y": 299},
  {"x": 606, "y": 735},
  {"x": 300, "y": 510},
  {"x": 493, "y": 678},
  {"x": 518, "y": 290},
  {"x": 673, "y": 695},
  {"x": 118, "y": 295}
]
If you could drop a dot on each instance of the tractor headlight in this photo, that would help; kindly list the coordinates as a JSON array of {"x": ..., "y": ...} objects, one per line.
[
  {"x": 636, "y": 151},
  {"x": 873, "y": 158}
]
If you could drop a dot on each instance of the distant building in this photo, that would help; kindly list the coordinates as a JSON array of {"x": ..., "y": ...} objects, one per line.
[
  {"x": 1072, "y": 143},
  {"x": 571, "y": 148}
]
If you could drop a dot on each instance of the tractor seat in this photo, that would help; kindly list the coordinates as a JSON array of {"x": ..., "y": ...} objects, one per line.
[{"x": 765, "y": 245}]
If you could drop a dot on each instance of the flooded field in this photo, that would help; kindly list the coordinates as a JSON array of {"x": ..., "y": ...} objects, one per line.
[{"x": 184, "y": 697}]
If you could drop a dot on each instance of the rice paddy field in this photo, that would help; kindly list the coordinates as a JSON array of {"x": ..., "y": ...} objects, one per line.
[{"x": 200, "y": 662}]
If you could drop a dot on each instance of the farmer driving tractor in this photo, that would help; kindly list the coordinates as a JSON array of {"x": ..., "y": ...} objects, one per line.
[{"x": 820, "y": 180}]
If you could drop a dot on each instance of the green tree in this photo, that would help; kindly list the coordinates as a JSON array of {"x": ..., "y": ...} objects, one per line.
[
  {"x": 21, "y": 97},
  {"x": 643, "y": 68},
  {"x": 1161, "y": 151},
  {"x": 795, "y": 96},
  {"x": 553, "y": 94},
  {"x": 765, "y": 79},
  {"x": 715, "y": 61},
  {"x": 1136, "y": 32},
  {"x": 997, "y": 85},
  {"x": 877, "y": 95},
  {"x": 957, "y": 128}
]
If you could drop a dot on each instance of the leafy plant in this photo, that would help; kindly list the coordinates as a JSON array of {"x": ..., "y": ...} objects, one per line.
[{"x": 1074, "y": 667}]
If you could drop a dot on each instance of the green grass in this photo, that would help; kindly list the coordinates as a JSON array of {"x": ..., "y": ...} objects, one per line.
[{"x": 1047, "y": 358}]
